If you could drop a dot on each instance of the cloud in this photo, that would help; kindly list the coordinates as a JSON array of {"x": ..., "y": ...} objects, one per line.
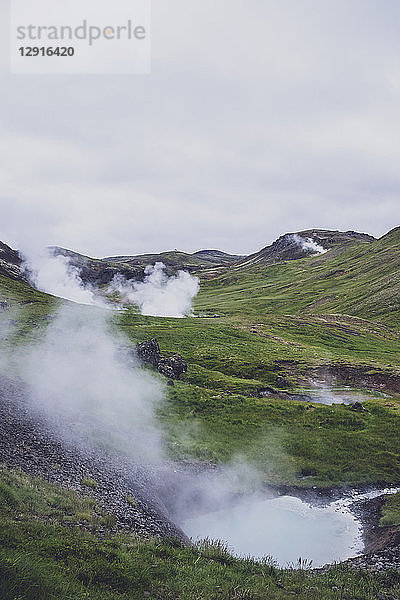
[{"x": 266, "y": 118}]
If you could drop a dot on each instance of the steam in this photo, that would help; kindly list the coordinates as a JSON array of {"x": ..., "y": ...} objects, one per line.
[
  {"x": 308, "y": 244},
  {"x": 158, "y": 295},
  {"x": 55, "y": 275},
  {"x": 83, "y": 378}
]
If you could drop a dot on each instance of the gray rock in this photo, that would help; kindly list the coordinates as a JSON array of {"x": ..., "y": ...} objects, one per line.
[
  {"x": 149, "y": 352},
  {"x": 173, "y": 366}
]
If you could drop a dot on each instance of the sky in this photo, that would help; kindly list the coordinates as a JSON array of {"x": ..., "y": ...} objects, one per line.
[{"x": 260, "y": 117}]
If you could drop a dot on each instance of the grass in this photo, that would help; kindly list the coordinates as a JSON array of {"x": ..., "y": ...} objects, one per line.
[
  {"x": 90, "y": 483},
  {"x": 285, "y": 439},
  {"x": 391, "y": 511},
  {"x": 42, "y": 557}
]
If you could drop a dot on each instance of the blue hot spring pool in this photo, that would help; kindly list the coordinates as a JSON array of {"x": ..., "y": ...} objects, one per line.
[{"x": 285, "y": 528}]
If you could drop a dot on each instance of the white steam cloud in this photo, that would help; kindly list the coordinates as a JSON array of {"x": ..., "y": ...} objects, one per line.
[
  {"x": 308, "y": 244},
  {"x": 82, "y": 376},
  {"x": 55, "y": 275},
  {"x": 159, "y": 295}
]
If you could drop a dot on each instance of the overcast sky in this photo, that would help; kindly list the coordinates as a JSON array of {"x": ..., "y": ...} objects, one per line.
[{"x": 259, "y": 117}]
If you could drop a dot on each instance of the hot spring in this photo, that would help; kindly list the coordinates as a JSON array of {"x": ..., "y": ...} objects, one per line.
[{"x": 285, "y": 528}]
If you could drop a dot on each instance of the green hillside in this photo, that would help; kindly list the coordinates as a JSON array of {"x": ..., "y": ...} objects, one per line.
[
  {"x": 334, "y": 316},
  {"x": 362, "y": 280}
]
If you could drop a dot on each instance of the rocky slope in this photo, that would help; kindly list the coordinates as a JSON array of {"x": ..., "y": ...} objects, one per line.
[
  {"x": 28, "y": 443},
  {"x": 289, "y": 246},
  {"x": 10, "y": 262}
]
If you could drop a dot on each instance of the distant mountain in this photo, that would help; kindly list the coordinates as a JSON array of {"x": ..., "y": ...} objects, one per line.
[
  {"x": 100, "y": 271},
  {"x": 292, "y": 246},
  {"x": 175, "y": 260},
  {"x": 210, "y": 263}
]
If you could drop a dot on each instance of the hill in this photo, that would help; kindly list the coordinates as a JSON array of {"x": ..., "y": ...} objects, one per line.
[
  {"x": 175, "y": 260},
  {"x": 292, "y": 246},
  {"x": 359, "y": 278}
]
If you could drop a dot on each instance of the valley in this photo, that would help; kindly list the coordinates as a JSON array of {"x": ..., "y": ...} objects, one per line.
[{"x": 271, "y": 338}]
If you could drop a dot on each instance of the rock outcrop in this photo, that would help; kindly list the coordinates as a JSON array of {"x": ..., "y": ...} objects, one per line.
[
  {"x": 171, "y": 367},
  {"x": 10, "y": 262},
  {"x": 149, "y": 352}
]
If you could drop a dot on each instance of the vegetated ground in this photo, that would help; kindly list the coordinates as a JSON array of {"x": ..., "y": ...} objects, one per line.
[
  {"x": 46, "y": 554},
  {"x": 280, "y": 326},
  {"x": 391, "y": 511},
  {"x": 334, "y": 318}
]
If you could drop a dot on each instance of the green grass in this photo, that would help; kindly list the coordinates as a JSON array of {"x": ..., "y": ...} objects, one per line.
[
  {"x": 284, "y": 439},
  {"x": 391, "y": 511},
  {"x": 42, "y": 558},
  {"x": 90, "y": 483}
]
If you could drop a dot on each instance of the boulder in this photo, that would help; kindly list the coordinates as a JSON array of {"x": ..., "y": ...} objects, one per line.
[
  {"x": 149, "y": 352},
  {"x": 172, "y": 366}
]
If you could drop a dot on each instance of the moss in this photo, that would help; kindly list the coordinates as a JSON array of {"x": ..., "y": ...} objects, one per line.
[{"x": 131, "y": 501}]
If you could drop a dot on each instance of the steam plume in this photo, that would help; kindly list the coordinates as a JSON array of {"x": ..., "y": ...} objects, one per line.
[
  {"x": 55, "y": 275},
  {"x": 159, "y": 295},
  {"x": 308, "y": 244},
  {"x": 82, "y": 377}
]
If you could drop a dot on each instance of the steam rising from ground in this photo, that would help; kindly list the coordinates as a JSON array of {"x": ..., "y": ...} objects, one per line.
[
  {"x": 308, "y": 244},
  {"x": 159, "y": 295},
  {"x": 84, "y": 379},
  {"x": 55, "y": 275}
]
